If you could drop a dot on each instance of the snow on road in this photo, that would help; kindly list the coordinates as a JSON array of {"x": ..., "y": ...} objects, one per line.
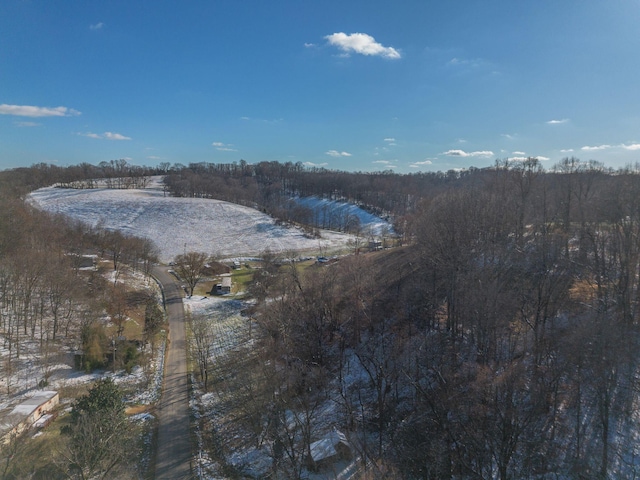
[{"x": 178, "y": 224}]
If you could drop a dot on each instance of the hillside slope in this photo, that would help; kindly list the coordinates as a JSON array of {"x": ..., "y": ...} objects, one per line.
[{"x": 179, "y": 224}]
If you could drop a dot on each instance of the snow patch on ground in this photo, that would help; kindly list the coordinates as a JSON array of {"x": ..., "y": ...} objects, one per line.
[{"x": 324, "y": 209}]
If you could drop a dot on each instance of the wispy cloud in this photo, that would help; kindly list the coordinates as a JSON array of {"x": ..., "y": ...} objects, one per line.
[
  {"x": 224, "y": 147},
  {"x": 362, "y": 44},
  {"x": 335, "y": 153},
  {"x": 105, "y": 136},
  {"x": 27, "y": 124},
  {"x": 519, "y": 153},
  {"x": 115, "y": 136},
  {"x": 421, "y": 164},
  {"x": 588, "y": 148},
  {"x": 262, "y": 120},
  {"x": 558, "y": 122},
  {"x": 632, "y": 147},
  {"x": 309, "y": 45},
  {"x": 462, "y": 153},
  {"x": 464, "y": 62},
  {"x": 96, "y": 26},
  {"x": 382, "y": 162},
  {"x": 567, "y": 150},
  {"x": 35, "y": 112},
  {"x": 525, "y": 158},
  {"x": 154, "y": 157},
  {"x": 311, "y": 164}
]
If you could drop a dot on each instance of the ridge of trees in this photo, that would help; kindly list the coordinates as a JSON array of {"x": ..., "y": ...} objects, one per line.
[{"x": 502, "y": 343}]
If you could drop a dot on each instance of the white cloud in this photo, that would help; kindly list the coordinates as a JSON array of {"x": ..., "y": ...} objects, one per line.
[
  {"x": 27, "y": 124},
  {"x": 588, "y": 148},
  {"x": 309, "y": 45},
  {"x": 361, "y": 43},
  {"x": 335, "y": 153},
  {"x": 383, "y": 162},
  {"x": 115, "y": 136},
  {"x": 311, "y": 164},
  {"x": 420, "y": 164},
  {"x": 519, "y": 153},
  {"x": 566, "y": 150},
  {"x": 105, "y": 136},
  {"x": 390, "y": 140},
  {"x": 633, "y": 146},
  {"x": 525, "y": 158},
  {"x": 462, "y": 153},
  {"x": 224, "y": 147},
  {"x": 455, "y": 61},
  {"x": 35, "y": 112},
  {"x": 96, "y": 26},
  {"x": 558, "y": 122}
]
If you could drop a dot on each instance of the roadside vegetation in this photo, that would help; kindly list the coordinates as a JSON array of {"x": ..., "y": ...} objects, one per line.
[{"x": 76, "y": 304}]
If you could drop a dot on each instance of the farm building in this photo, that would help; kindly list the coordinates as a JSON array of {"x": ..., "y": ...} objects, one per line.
[
  {"x": 27, "y": 414},
  {"x": 332, "y": 448},
  {"x": 224, "y": 287}
]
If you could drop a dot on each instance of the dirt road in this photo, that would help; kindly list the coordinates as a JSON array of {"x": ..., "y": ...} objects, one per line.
[{"x": 173, "y": 459}]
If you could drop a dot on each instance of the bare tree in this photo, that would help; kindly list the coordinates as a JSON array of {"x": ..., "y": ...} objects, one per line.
[
  {"x": 189, "y": 268},
  {"x": 203, "y": 338}
]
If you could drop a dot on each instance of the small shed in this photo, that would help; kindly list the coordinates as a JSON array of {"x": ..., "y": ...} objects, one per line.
[
  {"x": 224, "y": 287},
  {"x": 375, "y": 245},
  {"x": 27, "y": 414},
  {"x": 328, "y": 450}
]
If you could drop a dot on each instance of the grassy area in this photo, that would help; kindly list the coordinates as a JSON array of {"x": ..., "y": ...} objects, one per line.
[
  {"x": 40, "y": 457},
  {"x": 241, "y": 278}
]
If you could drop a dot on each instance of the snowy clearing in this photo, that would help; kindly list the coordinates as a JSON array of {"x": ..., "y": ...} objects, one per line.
[{"x": 178, "y": 224}]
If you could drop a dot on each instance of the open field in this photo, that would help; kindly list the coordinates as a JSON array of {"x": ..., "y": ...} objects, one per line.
[{"x": 178, "y": 224}]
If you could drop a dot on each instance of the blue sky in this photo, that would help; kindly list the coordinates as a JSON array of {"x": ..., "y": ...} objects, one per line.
[{"x": 369, "y": 85}]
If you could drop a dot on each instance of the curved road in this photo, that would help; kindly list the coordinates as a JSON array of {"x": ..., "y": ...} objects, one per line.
[{"x": 173, "y": 457}]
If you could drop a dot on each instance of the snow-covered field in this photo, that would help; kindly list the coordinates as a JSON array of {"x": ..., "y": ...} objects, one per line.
[
  {"x": 324, "y": 209},
  {"x": 178, "y": 224}
]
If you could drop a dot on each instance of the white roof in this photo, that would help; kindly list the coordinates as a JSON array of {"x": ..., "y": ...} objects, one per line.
[
  {"x": 325, "y": 448},
  {"x": 23, "y": 410}
]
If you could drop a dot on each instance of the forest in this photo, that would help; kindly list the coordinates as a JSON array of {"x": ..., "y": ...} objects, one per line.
[
  {"x": 499, "y": 341},
  {"x": 52, "y": 305}
]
